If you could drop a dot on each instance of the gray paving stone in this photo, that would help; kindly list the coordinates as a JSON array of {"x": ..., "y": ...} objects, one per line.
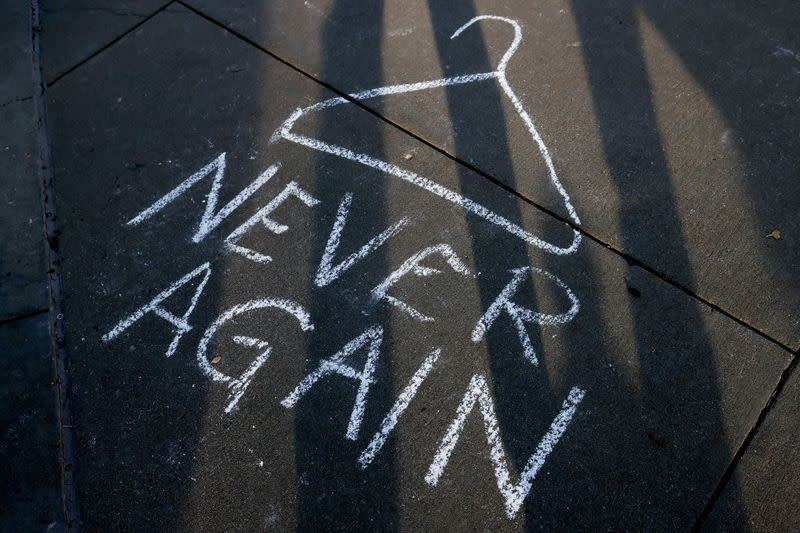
[
  {"x": 671, "y": 387},
  {"x": 23, "y": 286},
  {"x": 29, "y": 474},
  {"x": 762, "y": 495},
  {"x": 15, "y": 55},
  {"x": 674, "y": 126}
]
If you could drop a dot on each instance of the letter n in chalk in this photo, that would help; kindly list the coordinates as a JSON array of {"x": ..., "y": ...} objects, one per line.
[
  {"x": 211, "y": 218},
  {"x": 513, "y": 493},
  {"x": 520, "y": 315},
  {"x": 335, "y": 365},
  {"x": 180, "y": 323}
]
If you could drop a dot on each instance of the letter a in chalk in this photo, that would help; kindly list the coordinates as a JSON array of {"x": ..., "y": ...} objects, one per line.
[
  {"x": 513, "y": 493},
  {"x": 521, "y": 315},
  {"x": 181, "y": 323},
  {"x": 335, "y": 365},
  {"x": 327, "y": 273},
  {"x": 210, "y": 219}
]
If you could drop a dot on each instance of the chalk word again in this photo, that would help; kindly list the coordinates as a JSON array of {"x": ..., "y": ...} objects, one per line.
[{"x": 340, "y": 365}]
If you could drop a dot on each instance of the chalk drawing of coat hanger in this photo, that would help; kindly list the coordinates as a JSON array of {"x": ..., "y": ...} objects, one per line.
[{"x": 285, "y": 132}]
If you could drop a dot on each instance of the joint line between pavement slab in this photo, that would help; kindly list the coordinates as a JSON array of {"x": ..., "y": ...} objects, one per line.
[
  {"x": 108, "y": 45},
  {"x": 16, "y": 101},
  {"x": 58, "y": 341},
  {"x": 23, "y": 316},
  {"x": 726, "y": 477},
  {"x": 630, "y": 259}
]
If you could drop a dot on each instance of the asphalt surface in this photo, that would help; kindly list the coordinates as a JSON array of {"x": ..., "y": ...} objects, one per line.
[{"x": 583, "y": 321}]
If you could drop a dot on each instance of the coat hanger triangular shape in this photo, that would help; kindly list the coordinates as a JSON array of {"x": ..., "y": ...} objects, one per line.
[{"x": 285, "y": 132}]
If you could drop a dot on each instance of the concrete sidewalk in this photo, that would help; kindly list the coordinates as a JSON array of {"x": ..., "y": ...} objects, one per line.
[{"x": 336, "y": 265}]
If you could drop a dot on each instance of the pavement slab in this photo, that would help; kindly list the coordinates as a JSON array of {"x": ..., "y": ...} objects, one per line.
[
  {"x": 29, "y": 439},
  {"x": 762, "y": 493},
  {"x": 674, "y": 126},
  {"x": 23, "y": 286},
  {"x": 15, "y": 51},
  {"x": 254, "y": 304}
]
